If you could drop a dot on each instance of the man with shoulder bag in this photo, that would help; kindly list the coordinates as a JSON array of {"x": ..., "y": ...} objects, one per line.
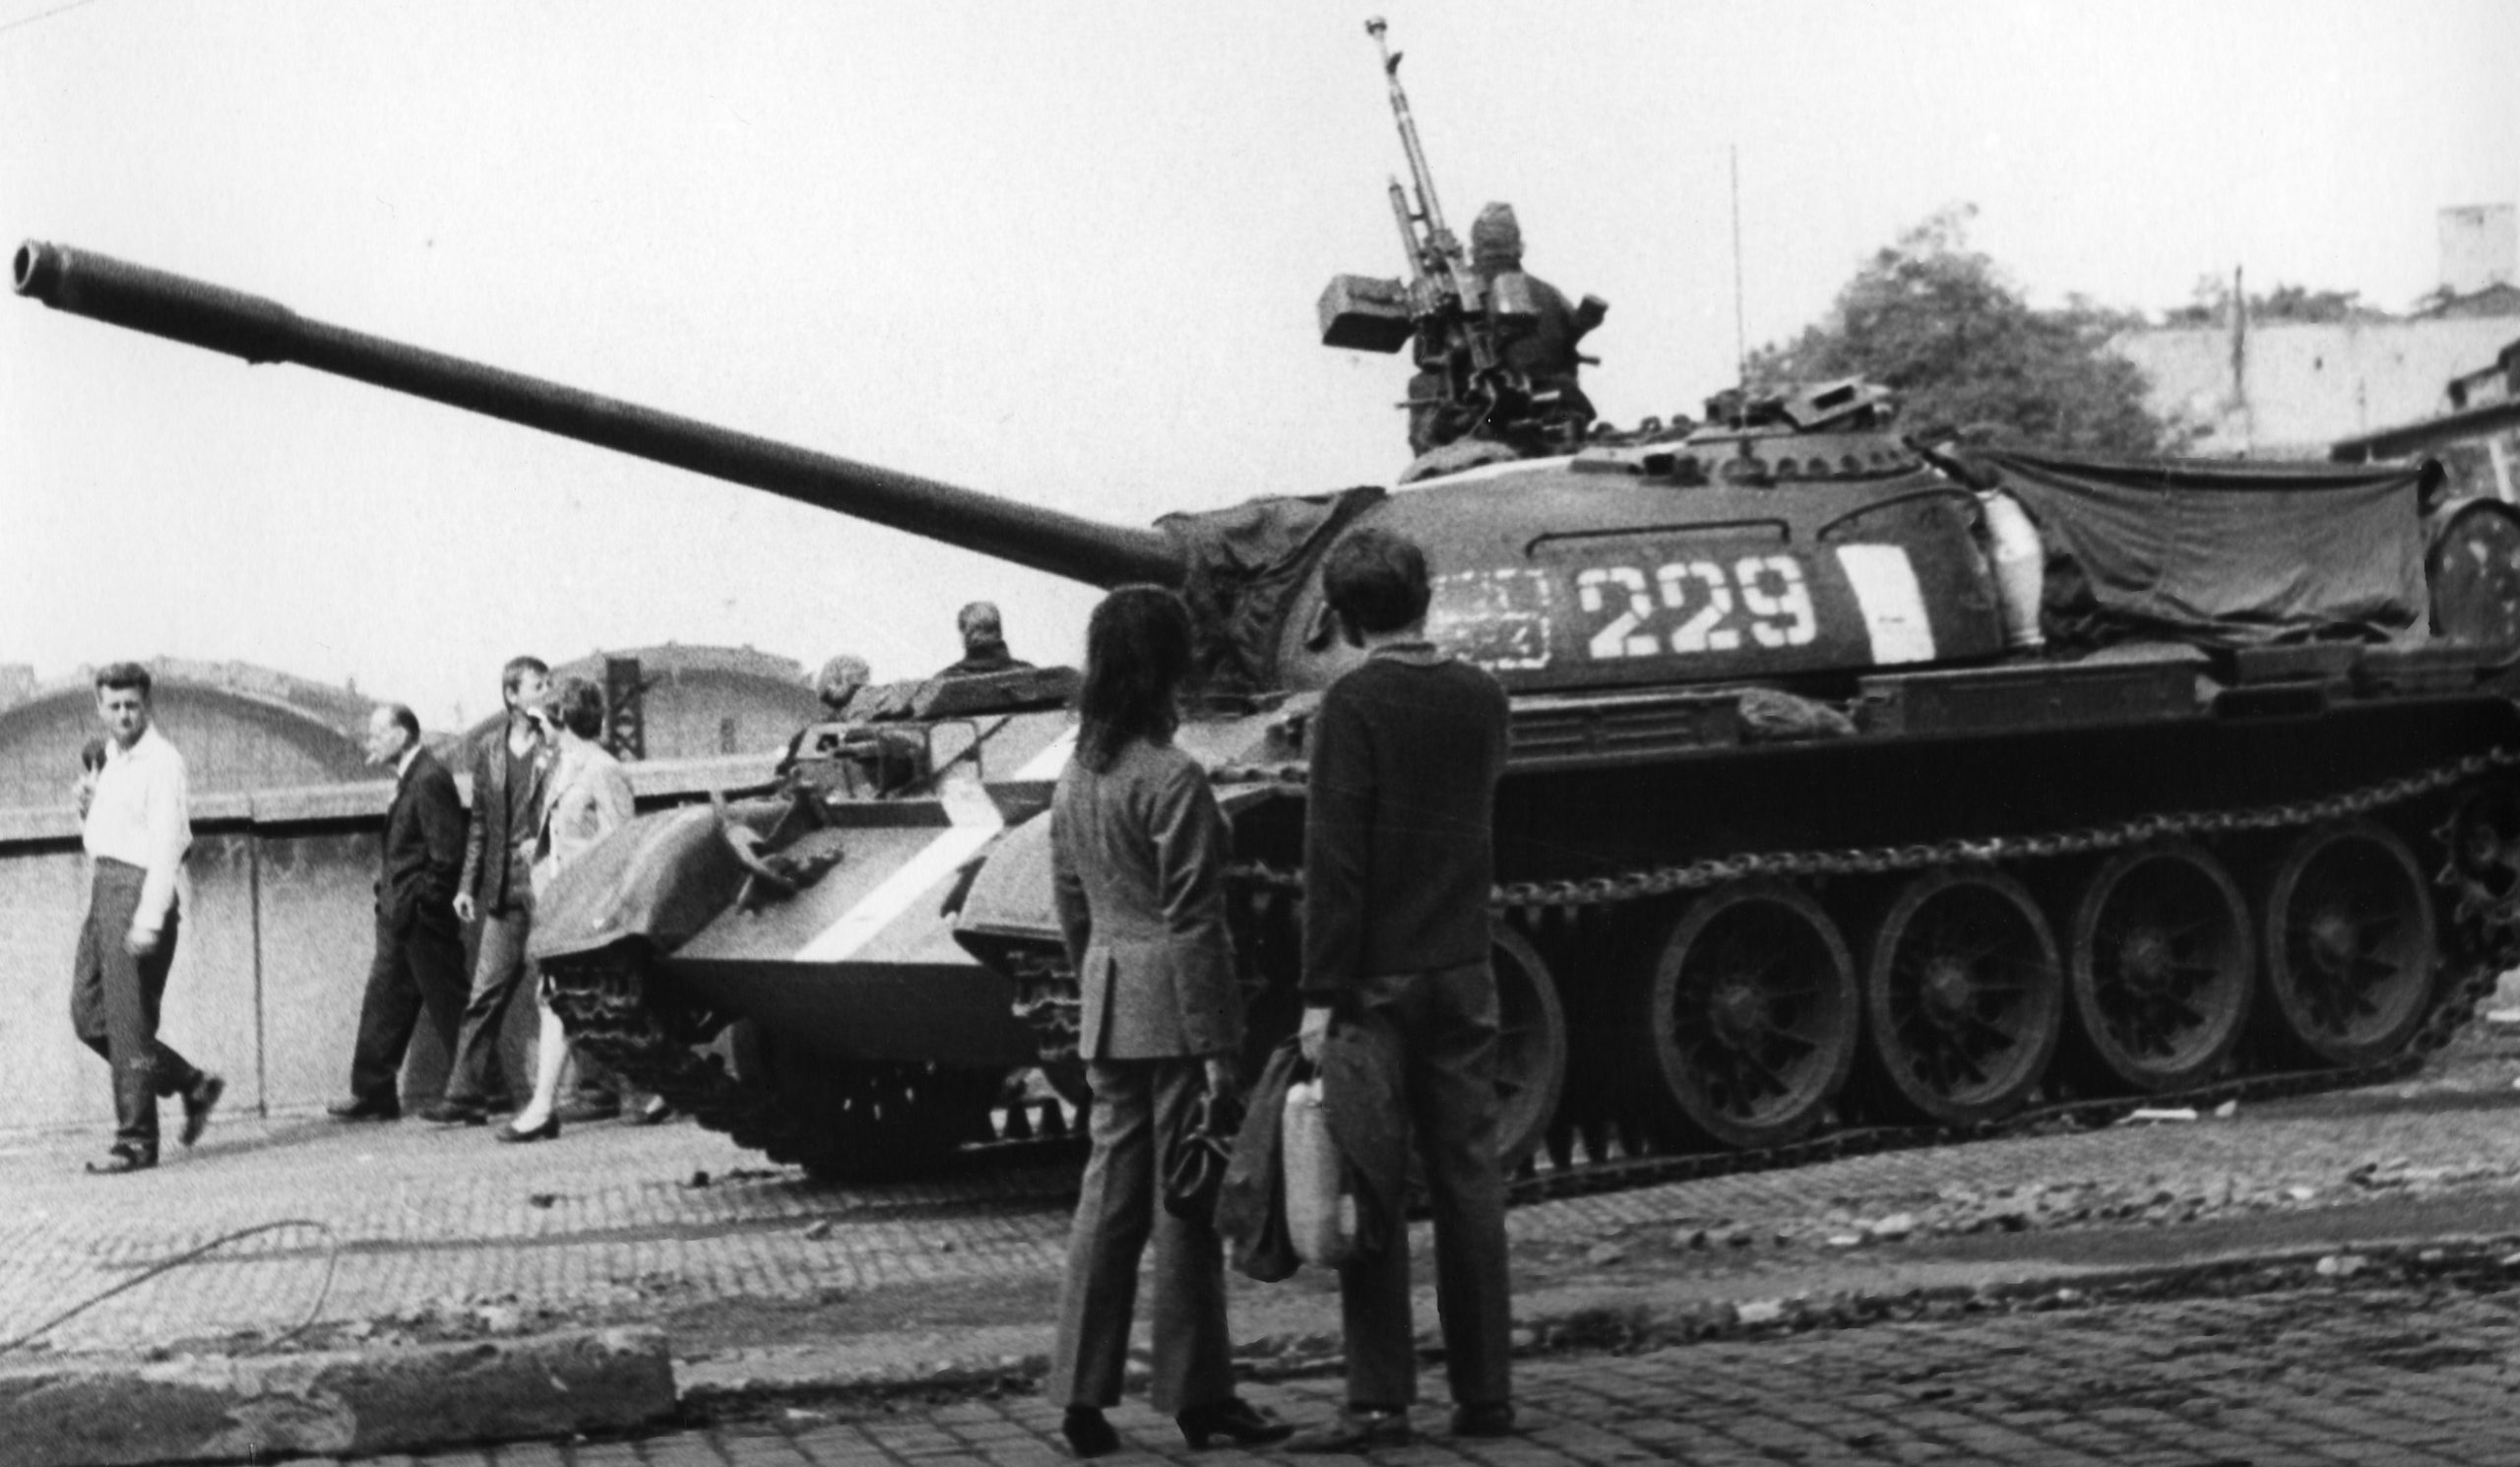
[{"x": 1399, "y": 859}]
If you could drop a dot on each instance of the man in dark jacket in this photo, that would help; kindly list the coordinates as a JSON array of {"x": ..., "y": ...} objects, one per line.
[
  {"x": 420, "y": 945},
  {"x": 508, "y": 774},
  {"x": 1398, "y": 857}
]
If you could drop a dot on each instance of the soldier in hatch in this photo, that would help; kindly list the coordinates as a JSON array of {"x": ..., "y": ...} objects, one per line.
[
  {"x": 983, "y": 643},
  {"x": 1536, "y": 332}
]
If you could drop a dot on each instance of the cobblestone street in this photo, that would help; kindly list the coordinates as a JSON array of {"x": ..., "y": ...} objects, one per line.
[
  {"x": 929, "y": 1301},
  {"x": 2392, "y": 1375}
]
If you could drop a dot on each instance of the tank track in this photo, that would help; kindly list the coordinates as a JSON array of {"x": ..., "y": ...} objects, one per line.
[
  {"x": 603, "y": 1000},
  {"x": 613, "y": 1002},
  {"x": 608, "y": 998}
]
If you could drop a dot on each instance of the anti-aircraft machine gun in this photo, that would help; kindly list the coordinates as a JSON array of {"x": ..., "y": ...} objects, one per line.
[
  {"x": 1485, "y": 370},
  {"x": 1800, "y": 831}
]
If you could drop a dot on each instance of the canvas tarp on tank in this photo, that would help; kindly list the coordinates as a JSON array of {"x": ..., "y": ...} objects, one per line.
[
  {"x": 2223, "y": 553},
  {"x": 1244, "y": 565}
]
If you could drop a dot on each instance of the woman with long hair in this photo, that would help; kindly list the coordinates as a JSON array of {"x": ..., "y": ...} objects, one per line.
[
  {"x": 1138, "y": 852},
  {"x": 589, "y": 796}
]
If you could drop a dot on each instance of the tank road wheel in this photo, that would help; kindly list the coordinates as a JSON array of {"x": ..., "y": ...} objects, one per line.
[
  {"x": 2160, "y": 966},
  {"x": 863, "y": 1121},
  {"x": 1740, "y": 1022},
  {"x": 2349, "y": 944},
  {"x": 1531, "y": 1047},
  {"x": 2482, "y": 837},
  {"x": 1964, "y": 997}
]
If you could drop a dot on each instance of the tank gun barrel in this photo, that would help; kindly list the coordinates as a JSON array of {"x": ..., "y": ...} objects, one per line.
[{"x": 260, "y": 330}]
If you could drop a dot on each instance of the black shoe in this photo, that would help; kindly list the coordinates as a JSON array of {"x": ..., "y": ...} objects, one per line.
[
  {"x": 453, "y": 1112},
  {"x": 588, "y": 1112},
  {"x": 1088, "y": 1434},
  {"x": 121, "y": 1160},
  {"x": 1358, "y": 1428},
  {"x": 199, "y": 1102},
  {"x": 358, "y": 1110},
  {"x": 1234, "y": 1419},
  {"x": 656, "y": 1112},
  {"x": 548, "y": 1130},
  {"x": 1485, "y": 1418}
]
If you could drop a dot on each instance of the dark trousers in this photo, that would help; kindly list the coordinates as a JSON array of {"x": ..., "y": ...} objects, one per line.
[
  {"x": 114, "y": 1005},
  {"x": 418, "y": 967},
  {"x": 1440, "y": 1029},
  {"x": 1138, "y": 1107},
  {"x": 474, "y": 1075}
]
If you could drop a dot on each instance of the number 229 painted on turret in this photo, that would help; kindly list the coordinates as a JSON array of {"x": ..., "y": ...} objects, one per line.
[{"x": 1712, "y": 603}]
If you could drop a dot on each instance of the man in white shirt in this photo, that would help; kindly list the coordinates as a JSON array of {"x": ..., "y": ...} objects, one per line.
[{"x": 136, "y": 828}]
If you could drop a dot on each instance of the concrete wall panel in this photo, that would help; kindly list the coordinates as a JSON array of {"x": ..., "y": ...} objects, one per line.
[
  {"x": 55, "y": 1080},
  {"x": 211, "y": 1014},
  {"x": 280, "y": 928},
  {"x": 318, "y": 935}
]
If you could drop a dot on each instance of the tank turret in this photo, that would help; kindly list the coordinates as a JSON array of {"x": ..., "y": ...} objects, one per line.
[{"x": 1609, "y": 567}]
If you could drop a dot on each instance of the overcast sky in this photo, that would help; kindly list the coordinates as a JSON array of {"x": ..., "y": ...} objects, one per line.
[{"x": 1065, "y": 252}]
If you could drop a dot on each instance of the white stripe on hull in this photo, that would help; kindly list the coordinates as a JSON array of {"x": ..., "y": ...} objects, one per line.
[{"x": 975, "y": 823}]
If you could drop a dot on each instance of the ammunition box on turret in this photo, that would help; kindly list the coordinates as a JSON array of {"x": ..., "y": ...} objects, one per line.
[{"x": 1365, "y": 314}]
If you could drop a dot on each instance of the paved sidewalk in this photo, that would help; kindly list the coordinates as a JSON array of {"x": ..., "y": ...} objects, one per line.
[
  {"x": 611, "y": 1226},
  {"x": 761, "y": 1277},
  {"x": 608, "y": 1224}
]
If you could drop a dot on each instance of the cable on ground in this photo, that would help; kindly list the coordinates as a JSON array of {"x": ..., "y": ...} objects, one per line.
[{"x": 331, "y": 1263}]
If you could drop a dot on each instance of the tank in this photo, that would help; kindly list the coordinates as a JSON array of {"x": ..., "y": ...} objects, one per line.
[{"x": 1834, "y": 800}]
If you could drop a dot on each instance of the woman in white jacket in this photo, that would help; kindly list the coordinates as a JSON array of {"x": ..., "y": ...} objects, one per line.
[{"x": 588, "y": 797}]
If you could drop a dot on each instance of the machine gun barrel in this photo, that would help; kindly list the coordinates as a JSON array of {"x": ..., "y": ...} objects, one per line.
[
  {"x": 1409, "y": 242},
  {"x": 258, "y": 330},
  {"x": 1439, "y": 237}
]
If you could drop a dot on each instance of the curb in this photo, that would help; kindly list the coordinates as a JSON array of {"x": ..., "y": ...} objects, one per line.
[{"x": 123, "y": 1413}]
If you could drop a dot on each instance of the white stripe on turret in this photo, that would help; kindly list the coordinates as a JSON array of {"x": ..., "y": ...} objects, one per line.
[
  {"x": 1893, "y": 603},
  {"x": 1046, "y": 764}
]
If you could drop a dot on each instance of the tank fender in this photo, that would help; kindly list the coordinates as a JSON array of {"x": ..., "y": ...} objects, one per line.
[
  {"x": 1009, "y": 897},
  {"x": 662, "y": 877}
]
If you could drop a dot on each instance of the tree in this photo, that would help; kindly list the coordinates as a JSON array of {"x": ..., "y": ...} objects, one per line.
[
  {"x": 2210, "y": 304},
  {"x": 1936, "y": 323}
]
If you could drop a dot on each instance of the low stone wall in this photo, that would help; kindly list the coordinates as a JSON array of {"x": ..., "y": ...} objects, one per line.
[{"x": 278, "y": 928}]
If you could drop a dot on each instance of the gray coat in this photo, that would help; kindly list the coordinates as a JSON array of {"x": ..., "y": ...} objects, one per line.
[{"x": 1138, "y": 856}]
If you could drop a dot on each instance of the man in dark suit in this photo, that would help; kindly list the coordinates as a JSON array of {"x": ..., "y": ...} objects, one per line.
[
  {"x": 1398, "y": 857},
  {"x": 419, "y": 946},
  {"x": 508, "y": 775}
]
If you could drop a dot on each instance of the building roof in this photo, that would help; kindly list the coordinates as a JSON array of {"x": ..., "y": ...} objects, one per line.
[
  {"x": 2501, "y": 298},
  {"x": 676, "y": 657},
  {"x": 344, "y": 710}
]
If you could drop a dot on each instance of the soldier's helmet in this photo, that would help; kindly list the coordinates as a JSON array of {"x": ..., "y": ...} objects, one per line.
[{"x": 1496, "y": 237}]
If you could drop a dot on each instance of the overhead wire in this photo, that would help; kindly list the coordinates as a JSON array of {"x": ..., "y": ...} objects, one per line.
[{"x": 44, "y": 15}]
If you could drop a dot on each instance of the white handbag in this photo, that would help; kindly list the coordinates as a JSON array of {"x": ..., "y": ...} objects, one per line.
[{"x": 1321, "y": 1209}]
